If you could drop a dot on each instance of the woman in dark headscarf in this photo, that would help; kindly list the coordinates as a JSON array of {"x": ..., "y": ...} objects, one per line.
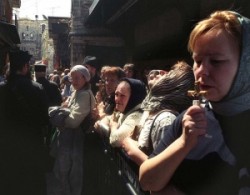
[{"x": 128, "y": 97}]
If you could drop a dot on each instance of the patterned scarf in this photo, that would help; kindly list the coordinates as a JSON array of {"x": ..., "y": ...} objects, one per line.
[
  {"x": 170, "y": 92},
  {"x": 238, "y": 98}
]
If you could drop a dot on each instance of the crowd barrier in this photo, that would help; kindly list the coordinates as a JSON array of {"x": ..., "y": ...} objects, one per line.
[{"x": 108, "y": 170}]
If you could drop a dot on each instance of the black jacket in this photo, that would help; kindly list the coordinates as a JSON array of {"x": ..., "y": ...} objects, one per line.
[
  {"x": 23, "y": 117},
  {"x": 52, "y": 91}
]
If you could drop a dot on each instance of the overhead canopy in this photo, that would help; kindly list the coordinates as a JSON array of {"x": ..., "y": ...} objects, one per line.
[
  {"x": 9, "y": 37},
  {"x": 105, "y": 12},
  {"x": 159, "y": 29}
]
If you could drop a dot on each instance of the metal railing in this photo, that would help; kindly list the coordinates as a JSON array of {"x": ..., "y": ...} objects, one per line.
[{"x": 108, "y": 169}]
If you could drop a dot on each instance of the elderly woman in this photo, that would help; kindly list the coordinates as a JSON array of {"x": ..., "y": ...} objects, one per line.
[
  {"x": 69, "y": 158},
  {"x": 187, "y": 158},
  {"x": 128, "y": 97},
  {"x": 153, "y": 77}
]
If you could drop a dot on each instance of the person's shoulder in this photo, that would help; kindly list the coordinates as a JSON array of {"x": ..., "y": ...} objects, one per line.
[
  {"x": 36, "y": 84},
  {"x": 165, "y": 114},
  {"x": 136, "y": 109},
  {"x": 171, "y": 123},
  {"x": 44, "y": 82},
  {"x": 2, "y": 87},
  {"x": 134, "y": 114},
  {"x": 83, "y": 93},
  {"x": 2, "y": 84},
  {"x": 52, "y": 84},
  {"x": 26, "y": 83},
  {"x": 177, "y": 124},
  {"x": 164, "y": 118}
]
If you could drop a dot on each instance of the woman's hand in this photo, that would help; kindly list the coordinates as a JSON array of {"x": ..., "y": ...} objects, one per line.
[
  {"x": 65, "y": 104},
  {"x": 113, "y": 125},
  {"x": 95, "y": 114},
  {"x": 194, "y": 124},
  {"x": 164, "y": 165},
  {"x": 102, "y": 127}
]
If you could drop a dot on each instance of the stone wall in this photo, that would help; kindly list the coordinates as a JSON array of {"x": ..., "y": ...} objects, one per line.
[{"x": 83, "y": 37}]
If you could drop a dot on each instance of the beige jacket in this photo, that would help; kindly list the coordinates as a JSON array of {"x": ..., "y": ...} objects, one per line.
[
  {"x": 126, "y": 126},
  {"x": 79, "y": 106}
]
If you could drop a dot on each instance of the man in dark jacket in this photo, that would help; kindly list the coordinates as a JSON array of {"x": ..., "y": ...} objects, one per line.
[
  {"x": 51, "y": 88},
  {"x": 53, "y": 94},
  {"x": 93, "y": 65},
  {"x": 23, "y": 117}
]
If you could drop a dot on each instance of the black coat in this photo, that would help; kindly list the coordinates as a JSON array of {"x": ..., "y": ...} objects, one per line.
[
  {"x": 94, "y": 81},
  {"x": 52, "y": 91},
  {"x": 23, "y": 117}
]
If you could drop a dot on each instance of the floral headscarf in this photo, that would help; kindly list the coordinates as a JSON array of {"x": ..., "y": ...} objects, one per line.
[{"x": 170, "y": 92}]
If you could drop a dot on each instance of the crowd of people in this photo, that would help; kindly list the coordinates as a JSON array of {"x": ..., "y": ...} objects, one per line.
[{"x": 178, "y": 143}]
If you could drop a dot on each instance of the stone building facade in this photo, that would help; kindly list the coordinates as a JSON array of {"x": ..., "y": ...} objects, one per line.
[
  {"x": 47, "y": 49},
  {"x": 59, "y": 33},
  {"x": 30, "y": 33},
  {"x": 92, "y": 39}
]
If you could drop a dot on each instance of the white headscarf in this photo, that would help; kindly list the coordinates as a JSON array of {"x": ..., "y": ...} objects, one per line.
[{"x": 83, "y": 70}]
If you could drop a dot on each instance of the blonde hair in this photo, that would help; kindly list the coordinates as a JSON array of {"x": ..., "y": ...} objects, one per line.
[{"x": 220, "y": 20}]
